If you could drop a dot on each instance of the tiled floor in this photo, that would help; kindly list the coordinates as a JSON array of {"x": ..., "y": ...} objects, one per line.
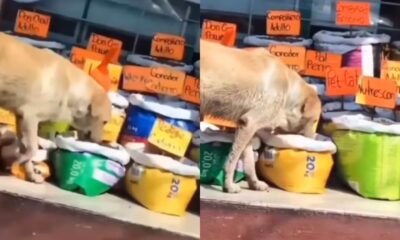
[
  {"x": 105, "y": 205},
  {"x": 333, "y": 201}
]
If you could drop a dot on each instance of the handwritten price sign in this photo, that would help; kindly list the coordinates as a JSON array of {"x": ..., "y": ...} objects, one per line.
[
  {"x": 136, "y": 78},
  {"x": 166, "y": 81},
  {"x": 342, "y": 81},
  {"x": 102, "y": 44},
  {"x": 377, "y": 92},
  {"x": 353, "y": 14},
  {"x": 79, "y": 56},
  {"x": 114, "y": 72},
  {"x": 170, "y": 138},
  {"x": 293, "y": 56},
  {"x": 391, "y": 71},
  {"x": 318, "y": 63},
  {"x": 284, "y": 23},
  {"x": 168, "y": 46},
  {"x": 219, "y": 122},
  {"x": 32, "y": 23},
  {"x": 191, "y": 90},
  {"x": 217, "y": 31}
]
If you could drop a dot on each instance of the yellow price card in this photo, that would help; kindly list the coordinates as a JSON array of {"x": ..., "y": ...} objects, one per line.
[
  {"x": 113, "y": 128},
  {"x": 170, "y": 138}
]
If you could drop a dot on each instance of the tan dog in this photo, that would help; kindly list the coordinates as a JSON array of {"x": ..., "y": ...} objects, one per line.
[
  {"x": 259, "y": 92},
  {"x": 39, "y": 85}
]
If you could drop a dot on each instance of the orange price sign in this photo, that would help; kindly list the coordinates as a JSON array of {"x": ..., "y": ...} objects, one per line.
[
  {"x": 293, "y": 56},
  {"x": 219, "y": 122},
  {"x": 166, "y": 81},
  {"x": 342, "y": 81},
  {"x": 216, "y": 31},
  {"x": 79, "y": 56},
  {"x": 284, "y": 23},
  {"x": 103, "y": 45},
  {"x": 191, "y": 90},
  {"x": 353, "y": 13},
  {"x": 318, "y": 63},
  {"x": 136, "y": 78},
  {"x": 391, "y": 71},
  {"x": 32, "y": 23},
  {"x": 376, "y": 92},
  {"x": 168, "y": 46}
]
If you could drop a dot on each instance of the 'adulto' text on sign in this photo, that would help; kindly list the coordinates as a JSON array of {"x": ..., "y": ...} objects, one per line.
[
  {"x": 32, "y": 23},
  {"x": 283, "y": 23},
  {"x": 168, "y": 46}
]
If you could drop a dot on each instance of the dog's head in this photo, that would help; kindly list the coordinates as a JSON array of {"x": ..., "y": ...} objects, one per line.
[
  {"x": 90, "y": 118},
  {"x": 305, "y": 115}
]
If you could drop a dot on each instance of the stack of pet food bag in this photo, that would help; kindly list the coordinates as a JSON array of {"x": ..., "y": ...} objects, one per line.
[
  {"x": 150, "y": 139},
  {"x": 291, "y": 162},
  {"x": 162, "y": 119}
]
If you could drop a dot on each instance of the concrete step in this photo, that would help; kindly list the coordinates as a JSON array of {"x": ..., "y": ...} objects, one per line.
[
  {"x": 121, "y": 214},
  {"x": 278, "y": 215}
]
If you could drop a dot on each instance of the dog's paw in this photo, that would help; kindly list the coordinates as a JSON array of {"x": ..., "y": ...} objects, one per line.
[
  {"x": 258, "y": 186},
  {"x": 36, "y": 178},
  {"x": 232, "y": 188}
]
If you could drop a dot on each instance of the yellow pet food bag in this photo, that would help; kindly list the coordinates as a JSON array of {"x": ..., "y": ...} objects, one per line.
[
  {"x": 298, "y": 164},
  {"x": 158, "y": 186},
  {"x": 8, "y": 118},
  {"x": 298, "y": 171},
  {"x": 113, "y": 128}
]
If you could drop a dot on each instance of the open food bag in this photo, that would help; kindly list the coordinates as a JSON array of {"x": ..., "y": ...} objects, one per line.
[
  {"x": 296, "y": 163},
  {"x": 369, "y": 155},
  {"x": 160, "y": 183},
  {"x": 89, "y": 168},
  {"x": 214, "y": 152}
]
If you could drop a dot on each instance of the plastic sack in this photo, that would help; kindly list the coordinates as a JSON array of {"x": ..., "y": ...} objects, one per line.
[
  {"x": 212, "y": 160},
  {"x": 305, "y": 170},
  {"x": 160, "y": 183},
  {"x": 369, "y": 156},
  {"x": 265, "y": 41},
  {"x": 148, "y": 61},
  {"x": 87, "y": 173}
]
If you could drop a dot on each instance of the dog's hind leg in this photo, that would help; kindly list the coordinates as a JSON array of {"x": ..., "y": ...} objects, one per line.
[
  {"x": 244, "y": 133},
  {"x": 249, "y": 169},
  {"x": 29, "y": 130}
]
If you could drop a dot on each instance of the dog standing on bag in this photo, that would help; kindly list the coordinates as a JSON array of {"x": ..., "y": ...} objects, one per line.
[
  {"x": 260, "y": 93},
  {"x": 39, "y": 85}
]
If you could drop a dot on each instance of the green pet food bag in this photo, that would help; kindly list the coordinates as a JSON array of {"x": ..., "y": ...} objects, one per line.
[
  {"x": 89, "y": 174},
  {"x": 369, "y": 163},
  {"x": 212, "y": 159}
]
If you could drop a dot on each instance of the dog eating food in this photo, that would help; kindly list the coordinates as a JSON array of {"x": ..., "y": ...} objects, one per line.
[
  {"x": 260, "y": 93},
  {"x": 39, "y": 85}
]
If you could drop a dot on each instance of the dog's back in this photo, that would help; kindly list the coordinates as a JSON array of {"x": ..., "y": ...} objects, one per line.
[{"x": 233, "y": 81}]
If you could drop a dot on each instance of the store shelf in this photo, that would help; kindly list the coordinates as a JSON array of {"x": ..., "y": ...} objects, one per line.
[
  {"x": 105, "y": 205},
  {"x": 339, "y": 201}
]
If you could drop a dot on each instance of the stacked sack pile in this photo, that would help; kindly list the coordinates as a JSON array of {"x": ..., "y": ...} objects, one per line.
[
  {"x": 291, "y": 162},
  {"x": 148, "y": 142}
]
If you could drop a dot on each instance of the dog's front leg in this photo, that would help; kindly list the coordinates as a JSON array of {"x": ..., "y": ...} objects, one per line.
[
  {"x": 244, "y": 133},
  {"x": 29, "y": 125},
  {"x": 249, "y": 169}
]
